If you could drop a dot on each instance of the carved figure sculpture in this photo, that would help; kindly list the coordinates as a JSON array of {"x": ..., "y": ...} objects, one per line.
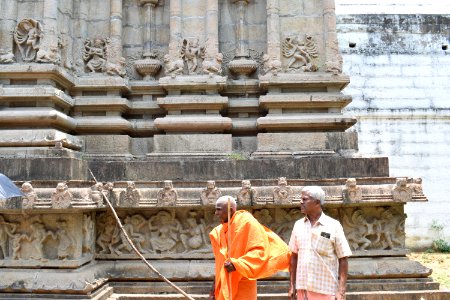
[
  {"x": 167, "y": 196},
  {"x": 88, "y": 232},
  {"x": 164, "y": 230},
  {"x": 27, "y": 35},
  {"x": 30, "y": 196},
  {"x": 270, "y": 66},
  {"x": 351, "y": 192},
  {"x": 285, "y": 225},
  {"x": 300, "y": 53},
  {"x": 357, "y": 230},
  {"x": 263, "y": 216},
  {"x": 194, "y": 237},
  {"x": 117, "y": 69},
  {"x": 61, "y": 197},
  {"x": 390, "y": 228},
  {"x": 7, "y": 230},
  {"x": 131, "y": 226},
  {"x": 6, "y": 57},
  {"x": 131, "y": 196},
  {"x": 95, "y": 55},
  {"x": 282, "y": 194},
  {"x": 191, "y": 52},
  {"x": 213, "y": 66},
  {"x": 210, "y": 194},
  {"x": 66, "y": 241},
  {"x": 49, "y": 56},
  {"x": 108, "y": 234},
  {"x": 96, "y": 194},
  {"x": 247, "y": 194},
  {"x": 38, "y": 235},
  {"x": 401, "y": 192},
  {"x": 17, "y": 245},
  {"x": 173, "y": 67}
]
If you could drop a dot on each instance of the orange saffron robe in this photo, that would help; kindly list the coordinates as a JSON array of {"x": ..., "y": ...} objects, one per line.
[{"x": 256, "y": 252}]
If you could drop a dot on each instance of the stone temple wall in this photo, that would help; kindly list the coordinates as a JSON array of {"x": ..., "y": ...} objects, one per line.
[{"x": 399, "y": 86}]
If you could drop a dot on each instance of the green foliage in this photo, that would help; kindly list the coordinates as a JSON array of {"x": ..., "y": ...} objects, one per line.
[
  {"x": 440, "y": 244},
  {"x": 237, "y": 156}
]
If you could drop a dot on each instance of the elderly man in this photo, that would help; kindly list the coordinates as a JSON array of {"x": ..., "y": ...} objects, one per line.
[
  {"x": 254, "y": 252},
  {"x": 318, "y": 267}
]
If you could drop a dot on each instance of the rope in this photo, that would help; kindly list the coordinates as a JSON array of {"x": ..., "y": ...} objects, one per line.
[{"x": 136, "y": 250}]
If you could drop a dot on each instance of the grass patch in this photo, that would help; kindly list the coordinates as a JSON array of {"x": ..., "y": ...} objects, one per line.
[{"x": 439, "y": 262}]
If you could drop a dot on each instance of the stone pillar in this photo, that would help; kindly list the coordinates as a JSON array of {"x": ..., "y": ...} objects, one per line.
[
  {"x": 116, "y": 25},
  {"x": 8, "y": 16},
  {"x": 332, "y": 53},
  {"x": 273, "y": 29},
  {"x": 175, "y": 27},
  {"x": 149, "y": 17},
  {"x": 212, "y": 27},
  {"x": 50, "y": 24}
]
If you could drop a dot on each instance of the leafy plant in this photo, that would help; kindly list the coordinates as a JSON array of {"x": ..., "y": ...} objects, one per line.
[{"x": 439, "y": 244}]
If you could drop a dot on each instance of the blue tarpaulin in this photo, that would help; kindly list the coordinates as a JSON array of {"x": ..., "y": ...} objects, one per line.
[{"x": 8, "y": 189}]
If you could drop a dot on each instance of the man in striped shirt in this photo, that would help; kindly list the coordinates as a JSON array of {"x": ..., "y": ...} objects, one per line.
[{"x": 318, "y": 267}]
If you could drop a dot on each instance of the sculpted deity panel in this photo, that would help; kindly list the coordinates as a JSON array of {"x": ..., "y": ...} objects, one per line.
[
  {"x": 301, "y": 53},
  {"x": 27, "y": 36}
]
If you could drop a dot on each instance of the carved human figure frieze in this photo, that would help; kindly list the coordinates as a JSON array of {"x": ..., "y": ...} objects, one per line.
[
  {"x": 351, "y": 192},
  {"x": 194, "y": 237},
  {"x": 270, "y": 65},
  {"x": 300, "y": 52},
  {"x": 173, "y": 66},
  {"x": 6, "y": 57},
  {"x": 192, "y": 53},
  {"x": 7, "y": 233},
  {"x": 108, "y": 233},
  {"x": 164, "y": 231},
  {"x": 94, "y": 55},
  {"x": 282, "y": 194},
  {"x": 30, "y": 195},
  {"x": 401, "y": 191},
  {"x": 66, "y": 241},
  {"x": 213, "y": 66},
  {"x": 61, "y": 197},
  {"x": 27, "y": 36},
  {"x": 132, "y": 225},
  {"x": 39, "y": 234},
  {"x": 247, "y": 195},
  {"x": 167, "y": 196},
  {"x": 391, "y": 228},
  {"x": 359, "y": 230},
  {"x": 131, "y": 196},
  {"x": 263, "y": 216},
  {"x": 88, "y": 234},
  {"x": 210, "y": 194},
  {"x": 285, "y": 222}
]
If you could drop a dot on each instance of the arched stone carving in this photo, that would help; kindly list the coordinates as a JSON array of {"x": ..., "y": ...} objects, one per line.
[{"x": 28, "y": 35}]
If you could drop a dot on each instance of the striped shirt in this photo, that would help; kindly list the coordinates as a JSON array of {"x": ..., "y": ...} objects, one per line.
[{"x": 318, "y": 249}]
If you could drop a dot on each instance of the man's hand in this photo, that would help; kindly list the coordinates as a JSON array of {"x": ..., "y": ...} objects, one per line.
[
  {"x": 340, "y": 296},
  {"x": 229, "y": 266},
  {"x": 212, "y": 296},
  {"x": 292, "y": 293}
]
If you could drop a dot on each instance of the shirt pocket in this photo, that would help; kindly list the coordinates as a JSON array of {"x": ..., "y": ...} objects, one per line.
[{"x": 322, "y": 245}]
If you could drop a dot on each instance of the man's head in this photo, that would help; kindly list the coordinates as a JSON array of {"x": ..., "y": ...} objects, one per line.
[
  {"x": 312, "y": 199},
  {"x": 222, "y": 207}
]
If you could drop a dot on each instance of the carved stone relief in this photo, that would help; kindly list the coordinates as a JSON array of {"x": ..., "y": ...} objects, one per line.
[
  {"x": 402, "y": 192},
  {"x": 213, "y": 66},
  {"x": 173, "y": 66},
  {"x": 7, "y": 233},
  {"x": 210, "y": 194},
  {"x": 88, "y": 234},
  {"x": 193, "y": 54},
  {"x": 95, "y": 194},
  {"x": 30, "y": 196},
  {"x": 131, "y": 196},
  {"x": 6, "y": 57},
  {"x": 270, "y": 65},
  {"x": 351, "y": 192},
  {"x": 282, "y": 194},
  {"x": 66, "y": 241},
  {"x": 94, "y": 55},
  {"x": 247, "y": 195},
  {"x": 27, "y": 36},
  {"x": 167, "y": 196},
  {"x": 374, "y": 229},
  {"x": 61, "y": 197},
  {"x": 51, "y": 55},
  {"x": 300, "y": 53}
]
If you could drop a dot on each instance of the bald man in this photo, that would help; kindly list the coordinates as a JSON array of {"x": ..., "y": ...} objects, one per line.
[{"x": 254, "y": 252}]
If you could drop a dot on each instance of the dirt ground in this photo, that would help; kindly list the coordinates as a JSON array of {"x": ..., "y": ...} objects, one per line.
[{"x": 439, "y": 262}]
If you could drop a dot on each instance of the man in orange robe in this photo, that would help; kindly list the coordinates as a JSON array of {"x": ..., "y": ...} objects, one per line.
[{"x": 255, "y": 252}]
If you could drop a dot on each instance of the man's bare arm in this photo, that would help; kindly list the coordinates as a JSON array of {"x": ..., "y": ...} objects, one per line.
[
  {"x": 343, "y": 271},
  {"x": 293, "y": 275}
]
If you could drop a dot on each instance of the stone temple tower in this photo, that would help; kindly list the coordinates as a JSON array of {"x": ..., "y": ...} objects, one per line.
[{"x": 172, "y": 104}]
